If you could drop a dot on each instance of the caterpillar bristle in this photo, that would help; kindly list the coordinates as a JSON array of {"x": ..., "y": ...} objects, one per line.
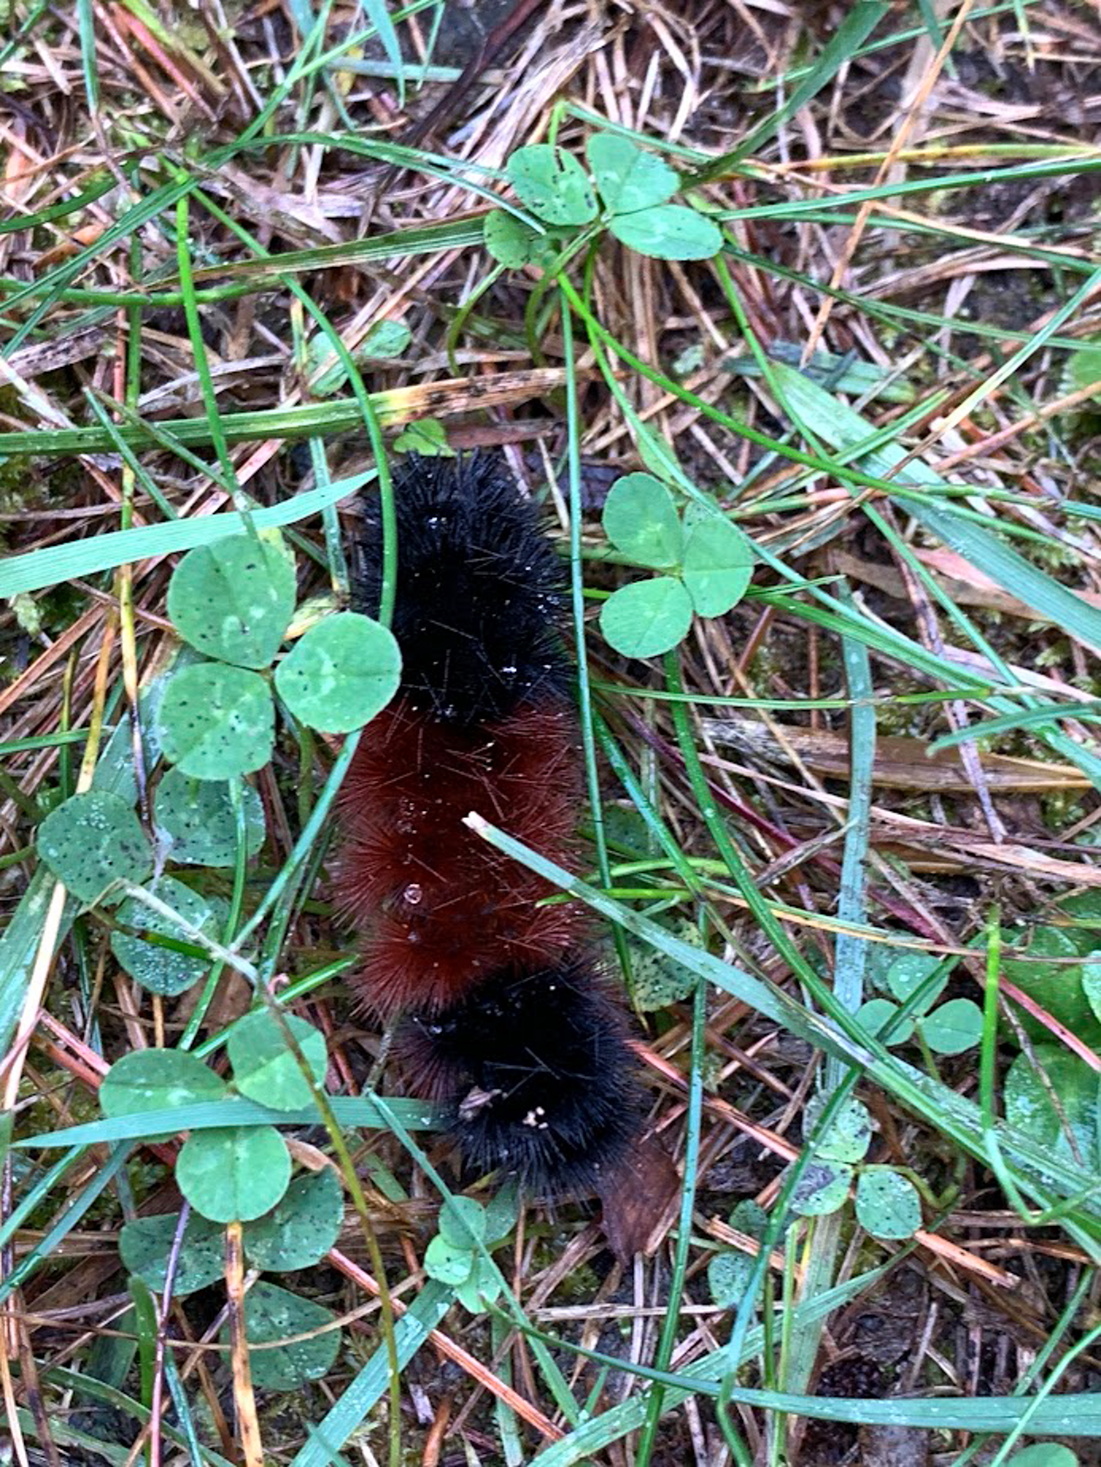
[
  {"x": 506, "y": 1020},
  {"x": 480, "y": 591},
  {"x": 540, "y": 1079},
  {"x": 441, "y": 907}
]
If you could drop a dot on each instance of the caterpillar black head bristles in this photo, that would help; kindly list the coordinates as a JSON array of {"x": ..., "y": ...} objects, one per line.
[{"x": 479, "y": 590}]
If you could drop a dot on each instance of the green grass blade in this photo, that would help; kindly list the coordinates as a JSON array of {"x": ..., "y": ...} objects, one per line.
[
  {"x": 54, "y": 1236},
  {"x": 1055, "y": 603},
  {"x": 398, "y": 243},
  {"x": 58, "y": 563},
  {"x": 1072, "y": 1416},
  {"x": 102, "y": 184},
  {"x": 379, "y": 17},
  {"x": 83, "y": 1384},
  {"x": 1071, "y": 163},
  {"x": 364, "y": 1393},
  {"x": 349, "y": 1110},
  {"x": 842, "y": 427},
  {"x": 850, "y": 35},
  {"x": 850, "y": 958},
  {"x": 594, "y": 1435},
  {"x": 1047, "y": 713},
  {"x": 86, "y": 26}
]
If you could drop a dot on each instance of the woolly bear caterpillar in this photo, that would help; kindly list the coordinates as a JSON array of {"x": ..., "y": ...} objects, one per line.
[{"x": 504, "y": 1017}]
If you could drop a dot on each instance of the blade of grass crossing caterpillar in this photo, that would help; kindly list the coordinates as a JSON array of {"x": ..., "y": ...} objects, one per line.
[{"x": 1041, "y": 1175}]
